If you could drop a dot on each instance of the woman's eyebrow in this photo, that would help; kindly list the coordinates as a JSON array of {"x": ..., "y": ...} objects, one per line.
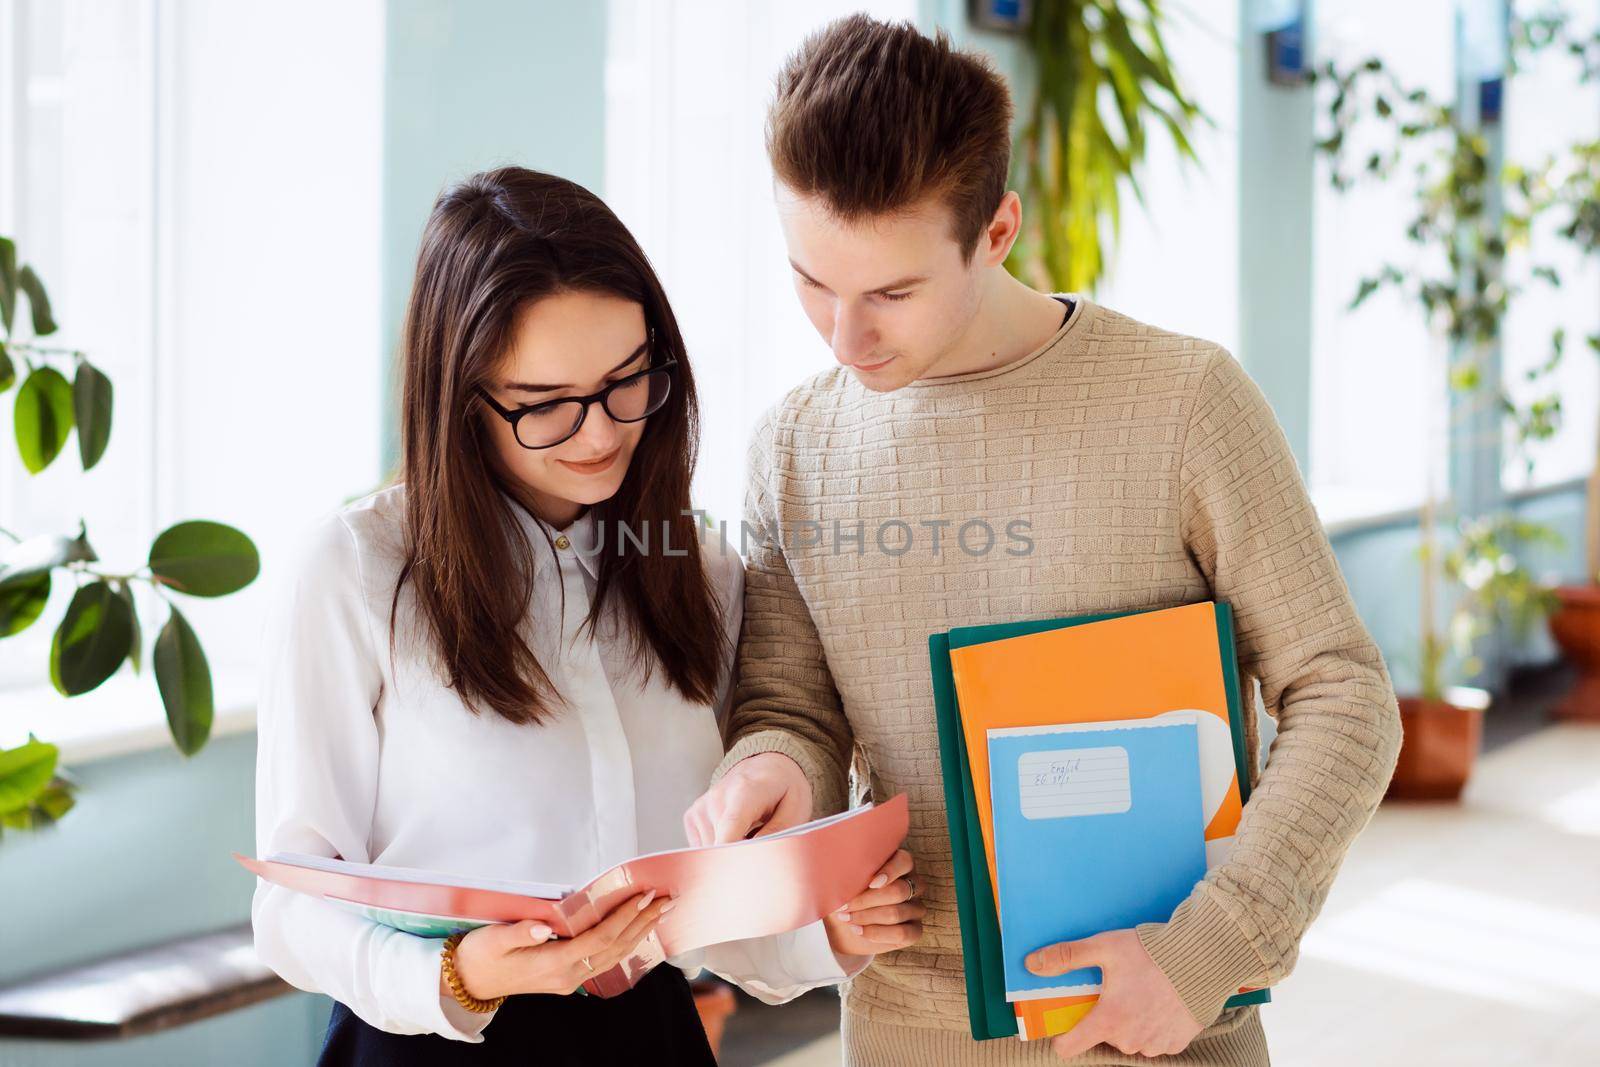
[{"x": 530, "y": 388}]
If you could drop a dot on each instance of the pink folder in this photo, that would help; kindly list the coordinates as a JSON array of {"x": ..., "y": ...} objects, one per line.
[{"x": 755, "y": 888}]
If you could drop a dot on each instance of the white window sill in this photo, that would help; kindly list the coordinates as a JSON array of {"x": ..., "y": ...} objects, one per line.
[
  {"x": 1343, "y": 510},
  {"x": 1576, "y": 483},
  {"x": 1346, "y": 511},
  {"x": 122, "y": 717}
]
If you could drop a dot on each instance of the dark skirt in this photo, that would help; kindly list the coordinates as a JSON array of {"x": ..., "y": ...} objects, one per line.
[{"x": 655, "y": 1022}]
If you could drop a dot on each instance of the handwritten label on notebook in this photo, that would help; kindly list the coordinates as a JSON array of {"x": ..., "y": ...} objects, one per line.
[{"x": 1066, "y": 782}]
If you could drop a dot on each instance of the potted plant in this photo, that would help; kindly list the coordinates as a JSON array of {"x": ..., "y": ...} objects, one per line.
[
  {"x": 1443, "y": 724},
  {"x": 1470, "y": 214},
  {"x": 1103, "y": 74},
  {"x": 100, "y": 629},
  {"x": 1575, "y": 625}
]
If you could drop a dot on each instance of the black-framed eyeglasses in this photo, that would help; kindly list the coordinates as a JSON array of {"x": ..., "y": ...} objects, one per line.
[{"x": 630, "y": 399}]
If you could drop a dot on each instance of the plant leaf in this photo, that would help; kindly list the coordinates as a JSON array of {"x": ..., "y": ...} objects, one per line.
[
  {"x": 8, "y": 283},
  {"x": 8, "y": 369},
  {"x": 185, "y": 683},
  {"x": 29, "y": 282},
  {"x": 25, "y": 772},
  {"x": 43, "y": 417},
  {"x": 203, "y": 558},
  {"x": 91, "y": 404},
  {"x": 136, "y": 647},
  {"x": 55, "y": 801},
  {"x": 22, "y": 601},
  {"x": 47, "y": 807},
  {"x": 92, "y": 640}
]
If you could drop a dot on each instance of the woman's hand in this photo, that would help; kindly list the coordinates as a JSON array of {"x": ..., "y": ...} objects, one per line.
[
  {"x": 504, "y": 959},
  {"x": 886, "y": 916}
]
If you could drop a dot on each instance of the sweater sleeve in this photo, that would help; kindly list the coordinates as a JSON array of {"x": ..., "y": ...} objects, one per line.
[
  {"x": 785, "y": 700},
  {"x": 316, "y": 782},
  {"x": 1250, "y": 527}
]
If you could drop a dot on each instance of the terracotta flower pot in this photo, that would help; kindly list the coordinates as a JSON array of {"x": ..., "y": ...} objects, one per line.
[
  {"x": 1576, "y": 628},
  {"x": 1439, "y": 749},
  {"x": 715, "y": 1002}
]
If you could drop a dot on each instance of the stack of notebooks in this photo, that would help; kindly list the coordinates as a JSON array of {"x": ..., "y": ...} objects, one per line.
[{"x": 1094, "y": 769}]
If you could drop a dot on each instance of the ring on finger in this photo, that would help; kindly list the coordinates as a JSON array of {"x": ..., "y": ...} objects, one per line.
[
  {"x": 587, "y": 965},
  {"x": 911, "y": 887}
]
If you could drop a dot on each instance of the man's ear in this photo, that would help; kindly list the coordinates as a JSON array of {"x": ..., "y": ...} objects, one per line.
[{"x": 996, "y": 241}]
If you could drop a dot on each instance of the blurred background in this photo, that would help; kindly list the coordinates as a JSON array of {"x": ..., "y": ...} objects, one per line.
[{"x": 1389, "y": 212}]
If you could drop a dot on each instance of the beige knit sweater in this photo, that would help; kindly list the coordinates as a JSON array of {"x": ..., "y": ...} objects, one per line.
[{"x": 1147, "y": 471}]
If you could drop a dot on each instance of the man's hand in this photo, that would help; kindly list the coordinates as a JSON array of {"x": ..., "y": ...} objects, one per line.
[
  {"x": 766, "y": 793},
  {"x": 1139, "y": 1013},
  {"x": 885, "y": 916}
]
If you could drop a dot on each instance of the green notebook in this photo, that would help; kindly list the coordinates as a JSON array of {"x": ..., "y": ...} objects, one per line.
[{"x": 989, "y": 1013}]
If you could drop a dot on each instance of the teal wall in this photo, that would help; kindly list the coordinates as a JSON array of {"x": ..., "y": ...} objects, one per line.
[
  {"x": 470, "y": 86},
  {"x": 1275, "y": 233}
]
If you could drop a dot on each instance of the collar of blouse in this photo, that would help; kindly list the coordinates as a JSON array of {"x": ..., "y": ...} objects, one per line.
[{"x": 577, "y": 541}]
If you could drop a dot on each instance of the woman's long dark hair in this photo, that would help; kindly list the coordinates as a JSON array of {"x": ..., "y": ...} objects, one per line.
[{"x": 495, "y": 242}]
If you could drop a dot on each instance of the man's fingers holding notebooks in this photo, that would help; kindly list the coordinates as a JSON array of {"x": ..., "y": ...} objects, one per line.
[
  {"x": 1081, "y": 1038},
  {"x": 1139, "y": 1012}
]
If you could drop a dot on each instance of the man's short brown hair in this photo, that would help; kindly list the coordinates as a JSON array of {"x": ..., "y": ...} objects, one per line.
[{"x": 874, "y": 116}]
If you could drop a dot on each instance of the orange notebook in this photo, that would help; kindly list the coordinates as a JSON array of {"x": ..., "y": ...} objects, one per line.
[{"x": 1128, "y": 667}]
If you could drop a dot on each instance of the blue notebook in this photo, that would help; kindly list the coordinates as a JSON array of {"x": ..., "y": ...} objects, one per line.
[{"x": 1098, "y": 826}]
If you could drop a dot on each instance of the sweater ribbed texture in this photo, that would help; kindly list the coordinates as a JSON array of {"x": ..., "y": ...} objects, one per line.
[
  {"x": 1150, "y": 472},
  {"x": 1235, "y": 1039}
]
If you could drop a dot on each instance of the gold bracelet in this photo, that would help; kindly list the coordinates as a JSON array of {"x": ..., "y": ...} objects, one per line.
[{"x": 447, "y": 966}]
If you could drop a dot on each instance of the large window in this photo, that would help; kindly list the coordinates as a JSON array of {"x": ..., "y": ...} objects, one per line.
[
  {"x": 1378, "y": 426},
  {"x": 1546, "y": 112},
  {"x": 198, "y": 185}
]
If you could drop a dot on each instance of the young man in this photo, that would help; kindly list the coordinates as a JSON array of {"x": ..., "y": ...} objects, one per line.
[{"x": 988, "y": 453}]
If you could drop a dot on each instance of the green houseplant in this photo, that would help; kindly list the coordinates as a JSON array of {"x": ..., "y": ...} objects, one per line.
[
  {"x": 1471, "y": 218},
  {"x": 100, "y": 629},
  {"x": 1571, "y": 189},
  {"x": 1103, "y": 75}
]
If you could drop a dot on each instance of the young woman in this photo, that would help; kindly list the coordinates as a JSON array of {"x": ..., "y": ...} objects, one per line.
[{"x": 512, "y": 662}]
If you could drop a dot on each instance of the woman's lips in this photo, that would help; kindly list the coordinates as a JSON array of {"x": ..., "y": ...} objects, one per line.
[{"x": 599, "y": 466}]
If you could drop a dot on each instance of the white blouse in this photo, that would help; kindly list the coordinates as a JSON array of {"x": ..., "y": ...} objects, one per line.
[{"x": 380, "y": 762}]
